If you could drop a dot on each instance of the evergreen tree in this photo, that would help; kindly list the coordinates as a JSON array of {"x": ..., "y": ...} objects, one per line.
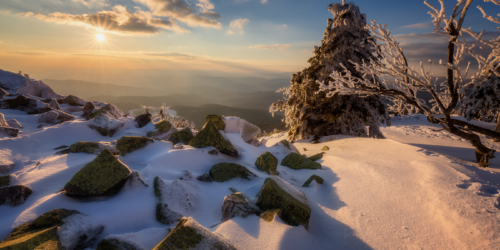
[{"x": 309, "y": 113}]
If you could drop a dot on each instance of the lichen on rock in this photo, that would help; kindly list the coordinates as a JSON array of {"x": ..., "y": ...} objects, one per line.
[
  {"x": 238, "y": 204},
  {"x": 143, "y": 120},
  {"x": 288, "y": 145},
  {"x": 269, "y": 214},
  {"x": 298, "y": 161},
  {"x": 325, "y": 148},
  {"x": 164, "y": 129},
  {"x": 226, "y": 171},
  {"x": 316, "y": 156},
  {"x": 128, "y": 144},
  {"x": 217, "y": 120},
  {"x": 313, "y": 177},
  {"x": 4, "y": 180},
  {"x": 183, "y": 136},
  {"x": 209, "y": 135},
  {"x": 268, "y": 163}
]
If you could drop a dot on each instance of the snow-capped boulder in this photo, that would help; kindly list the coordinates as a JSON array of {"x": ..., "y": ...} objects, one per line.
[
  {"x": 278, "y": 194},
  {"x": 26, "y": 104},
  {"x": 88, "y": 108},
  {"x": 3, "y": 93},
  {"x": 13, "y": 123},
  {"x": 48, "y": 117},
  {"x": 238, "y": 204},
  {"x": 90, "y": 147},
  {"x": 184, "y": 136},
  {"x": 109, "y": 110},
  {"x": 204, "y": 178},
  {"x": 5, "y": 165},
  {"x": 128, "y": 144},
  {"x": 209, "y": 135},
  {"x": 268, "y": 163},
  {"x": 106, "y": 125},
  {"x": 63, "y": 116},
  {"x": 137, "y": 179},
  {"x": 270, "y": 214},
  {"x": 14, "y": 195},
  {"x": 146, "y": 239},
  {"x": 3, "y": 122},
  {"x": 39, "y": 89},
  {"x": 288, "y": 145},
  {"x": 105, "y": 175},
  {"x": 316, "y": 156},
  {"x": 143, "y": 120},
  {"x": 8, "y": 131},
  {"x": 189, "y": 234},
  {"x": 218, "y": 121},
  {"x": 224, "y": 171},
  {"x": 54, "y": 104},
  {"x": 164, "y": 129},
  {"x": 313, "y": 177},
  {"x": 298, "y": 161},
  {"x": 74, "y": 100},
  {"x": 174, "y": 199},
  {"x": 56, "y": 229},
  {"x": 11, "y": 81},
  {"x": 237, "y": 125},
  {"x": 4, "y": 180}
]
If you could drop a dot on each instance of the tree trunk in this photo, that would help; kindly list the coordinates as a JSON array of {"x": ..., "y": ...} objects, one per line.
[{"x": 497, "y": 128}]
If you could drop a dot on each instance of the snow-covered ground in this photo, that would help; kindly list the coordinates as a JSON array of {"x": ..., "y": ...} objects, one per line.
[{"x": 418, "y": 189}]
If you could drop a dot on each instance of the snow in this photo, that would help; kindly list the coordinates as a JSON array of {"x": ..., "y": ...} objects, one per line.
[
  {"x": 143, "y": 240},
  {"x": 76, "y": 226}
]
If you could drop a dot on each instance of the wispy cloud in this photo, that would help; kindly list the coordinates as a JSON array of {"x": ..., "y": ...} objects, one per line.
[
  {"x": 273, "y": 47},
  {"x": 173, "y": 55},
  {"x": 27, "y": 53},
  {"x": 237, "y": 26},
  {"x": 418, "y": 26}
]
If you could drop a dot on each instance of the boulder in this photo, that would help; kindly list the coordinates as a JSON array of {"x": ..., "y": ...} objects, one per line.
[
  {"x": 4, "y": 180},
  {"x": 56, "y": 229},
  {"x": 89, "y": 147},
  {"x": 204, "y": 178},
  {"x": 298, "y": 161},
  {"x": 238, "y": 204},
  {"x": 105, "y": 175},
  {"x": 278, "y": 194},
  {"x": 145, "y": 239},
  {"x": 137, "y": 179},
  {"x": 13, "y": 123},
  {"x": 174, "y": 199},
  {"x": 183, "y": 136},
  {"x": 38, "y": 89},
  {"x": 217, "y": 120},
  {"x": 288, "y": 145},
  {"x": 316, "y": 156},
  {"x": 8, "y": 131},
  {"x": 143, "y": 120},
  {"x": 313, "y": 177},
  {"x": 48, "y": 117},
  {"x": 270, "y": 214},
  {"x": 213, "y": 152},
  {"x": 109, "y": 110},
  {"x": 74, "y": 100},
  {"x": 325, "y": 148},
  {"x": 106, "y": 125},
  {"x": 164, "y": 129},
  {"x": 268, "y": 163},
  {"x": 209, "y": 135},
  {"x": 128, "y": 144},
  {"x": 26, "y": 104},
  {"x": 88, "y": 108},
  {"x": 189, "y": 234},
  {"x": 226, "y": 171},
  {"x": 237, "y": 125},
  {"x": 54, "y": 104},
  {"x": 14, "y": 195},
  {"x": 3, "y": 122},
  {"x": 5, "y": 165},
  {"x": 3, "y": 93}
]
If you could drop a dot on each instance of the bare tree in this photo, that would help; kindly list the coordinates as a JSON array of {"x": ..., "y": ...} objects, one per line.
[{"x": 400, "y": 83}]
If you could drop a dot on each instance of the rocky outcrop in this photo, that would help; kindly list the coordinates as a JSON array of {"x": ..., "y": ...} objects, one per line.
[
  {"x": 143, "y": 120},
  {"x": 56, "y": 229},
  {"x": 209, "y": 135},
  {"x": 164, "y": 129},
  {"x": 268, "y": 163},
  {"x": 105, "y": 175},
  {"x": 183, "y": 136},
  {"x": 128, "y": 144},
  {"x": 316, "y": 156},
  {"x": 54, "y": 104},
  {"x": 174, "y": 199},
  {"x": 109, "y": 110},
  {"x": 14, "y": 195},
  {"x": 189, "y": 234},
  {"x": 298, "y": 161},
  {"x": 74, "y": 100},
  {"x": 238, "y": 204},
  {"x": 237, "y": 125},
  {"x": 278, "y": 194},
  {"x": 5, "y": 165},
  {"x": 105, "y": 125},
  {"x": 13, "y": 123},
  {"x": 48, "y": 117},
  {"x": 217, "y": 120},
  {"x": 226, "y": 171},
  {"x": 4, "y": 180},
  {"x": 313, "y": 177},
  {"x": 204, "y": 178}
]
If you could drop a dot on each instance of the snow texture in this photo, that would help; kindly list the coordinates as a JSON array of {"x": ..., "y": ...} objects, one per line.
[
  {"x": 237, "y": 125},
  {"x": 13, "y": 123},
  {"x": 143, "y": 240},
  {"x": 180, "y": 197},
  {"x": 210, "y": 239},
  {"x": 78, "y": 229}
]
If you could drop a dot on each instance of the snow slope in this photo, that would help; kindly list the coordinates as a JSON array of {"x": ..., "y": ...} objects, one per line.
[{"x": 410, "y": 191}]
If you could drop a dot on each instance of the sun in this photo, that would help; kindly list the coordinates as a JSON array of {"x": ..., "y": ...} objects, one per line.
[{"x": 100, "y": 37}]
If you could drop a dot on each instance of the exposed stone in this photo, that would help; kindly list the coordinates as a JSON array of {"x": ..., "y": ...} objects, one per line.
[
  {"x": 26, "y": 104},
  {"x": 3, "y": 122},
  {"x": 4, "y": 180},
  {"x": 237, "y": 204},
  {"x": 63, "y": 116},
  {"x": 5, "y": 165},
  {"x": 143, "y": 120},
  {"x": 188, "y": 234},
  {"x": 109, "y": 110},
  {"x": 204, "y": 177},
  {"x": 183, "y": 136},
  {"x": 209, "y": 135},
  {"x": 61, "y": 147},
  {"x": 137, "y": 179},
  {"x": 105, "y": 175},
  {"x": 298, "y": 161},
  {"x": 74, "y": 100},
  {"x": 9, "y": 131},
  {"x": 106, "y": 125},
  {"x": 288, "y": 145},
  {"x": 217, "y": 121},
  {"x": 81, "y": 147},
  {"x": 54, "y": 104},
  {"x": 325, "y": 148},
  {"x": 278, "y": 194},
  {"x": 115, "y": 244},
  {"x": 268, "y": 163},
  {"x": 164, "y": 129},
  {"x": 213, "y": 152},
  {"x": 88, "y": 108},
  {"x": 269, "y": 214},
  {"x": 56, "y": 229},
  {"x": 49, "y": 117},
  {"x": 128, "y": 144},
  {"x": 3, "y": 93},
  {"x": 314, "y": 177},
  {"x": 13, "y": 123},
  {"x": 226, "y": 171},
  {"x": 174, "y": 199},
  {"x": 14, "y": 195},
  {"x": 316, "y": 156}
]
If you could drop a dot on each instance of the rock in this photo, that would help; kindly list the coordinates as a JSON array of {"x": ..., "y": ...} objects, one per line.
[
  {"x": 217, "y": 121},
  {"x": 314, "y": 177},
  {"x": 3, "y": 93},
  {"x": 237, "y": 125},
  {"x": 14, "y": 195},
  {"x": 204, "y": 177},
  {"x": 174, "y": 199},
  {"x": 325, "y": 148},
  {"x": 255, "y": 142},
  {"x": 183, "y": 136},
  {"x": 143, "y": 120},
  {"x": 81, "y": 147},
  {"x": 288, "y": 145},
  {"x": 41, "y": 126},
  {"x": 13, "y": 123},
  {"x": 164, "y": 129},
  {"x": 26, "y": 104},
  {"x": 49, "y": 117},
  {"x": 56, "y": 229},
  {"x": 128, "y": 144},
  {"x": 186, "y": 175},
  {"x": 298, "y": 161},
  {"x": 188, "y": 234},
  {"x": 109, "y": 110},
  {"x": 238, "y": 204},
  {"x": 145, "y": 239},
  {"x": 74, "y": 100},
  {"x": 137, "y": 179},
  {"x": 209, "y": 135},
  {"x": 316, "y": 156},
  {"x": 278, "y": 194},
  {"x": 226, "y": 171},
  {"x": 4, "y": 180},
  {"x": 268, "y": 163},
  {"x": 106, "y": 125},
  {"x": 3, "y": 122},
  {"x": 61, "y": 147},
  {"x": 5, "y": 165},
  {"x": 9, "y": 131},
  {"x": 213, "y": 152},
  {"x": 54, "y": 104},
  {"x": 38, "y": 89},
  {"x": 88, "y": 108},
  {"x": 269, "y": 214},
  {"x": 105, "y": 175}
]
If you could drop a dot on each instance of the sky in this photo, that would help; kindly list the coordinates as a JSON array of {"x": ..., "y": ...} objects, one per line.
[{"x": 57, "y": 38}]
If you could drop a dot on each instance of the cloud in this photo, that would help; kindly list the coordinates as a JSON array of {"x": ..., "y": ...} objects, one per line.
[
  {"x": 181, "y": 11},
  {"x": 26, "y": 53},
  {"x": 119, "y": 20},
  {"x": 273, "y": 47},
  {"x": 237, "y": 26},
  {"x": 90, "y": 3},
  {"x": 419, "y": 26},
  {"x": 173, "y": 55},
  {"x": 263, "y": 1}
]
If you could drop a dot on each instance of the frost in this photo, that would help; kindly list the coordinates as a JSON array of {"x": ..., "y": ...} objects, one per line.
[{"x": 77, "y": 230}]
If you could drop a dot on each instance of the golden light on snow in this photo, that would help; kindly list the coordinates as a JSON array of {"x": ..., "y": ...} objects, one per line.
[{"x": 100, "y": 37}]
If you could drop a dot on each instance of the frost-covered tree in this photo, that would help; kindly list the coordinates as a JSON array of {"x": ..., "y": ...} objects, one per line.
[
  {"x": 401, "y": 83},
  {"x": 345, "y": 42},
  {"x": 483, "y": 103}
]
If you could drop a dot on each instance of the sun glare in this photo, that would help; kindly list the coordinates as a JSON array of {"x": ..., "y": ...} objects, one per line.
[{"x": 100, "y": 37}]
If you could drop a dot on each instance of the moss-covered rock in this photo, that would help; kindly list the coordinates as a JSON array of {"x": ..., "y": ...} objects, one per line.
[
  {"x": 217, "y": 121},
  {"x": 128, "y": 144},
  {"x": 226, "y": 171},
  {"x": 298, "y": 161},
  {"x": 164, "y": 129},
  {"x": 325, "y": 148},
  {"x": 81, "y": 147},
  {"x": 314, "y": 177},
  {"x": 114, "y": 244},
  {"x": 4, "y": 180},
  {"x": 143, "y": 120},
  {"x": 183, "y": 136},
  {"x": 188, "y": 234},
  {"x": 237, "y": 204},
  {"x": 209, "y": 135},
  {"x": 277, "y": 194},
  {"x": 269, "y": 214},
  {"x": 268, "y": 163},
  {"x": 105, "y": 175},
  {"x": 213, "y": 152},
  {"x": 316, "y": 156},
  {"x": 14, "y": 195}
]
